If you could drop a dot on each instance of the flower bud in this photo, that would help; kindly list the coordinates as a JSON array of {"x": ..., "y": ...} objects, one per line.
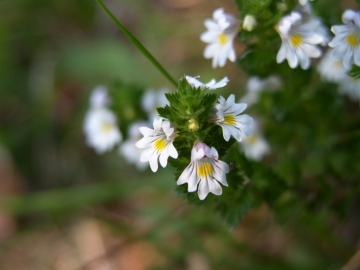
[
  {"x": 193, "y": 125},
  {"x": 249, "y": 23}
]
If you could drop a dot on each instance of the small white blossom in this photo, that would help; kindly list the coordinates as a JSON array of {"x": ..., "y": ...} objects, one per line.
[
  {"x": 151, "y": 100},
  {"x": 158, "y": 143},
  {"x": 205, "y": 170},
  {"x": 256, "y": 85},
  {"x": 330, "y": 70},
  {"x": 128, "y": 149},
  {"x": 351, "y": 87},
  {"x": 249, "y": 23},
  {"x": 320, "y": 29},
  {"x": 304, "y": 2},
  {"x": 101, "y": 130},
  {"x": 346, "y": 42},
  {"x": 227, "y": 114},
  {"x": 210, "y": 85},
  {"x": 100, "y": 124},
  {"x": 256, "y": 147},
  {"x": 220, "y": 35},
  {"x": 298, "y": 40},
  {"x": 99, "y": 97}
]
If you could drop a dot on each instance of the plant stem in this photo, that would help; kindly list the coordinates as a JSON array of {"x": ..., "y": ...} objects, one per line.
[{"x": 138, "y": 44}]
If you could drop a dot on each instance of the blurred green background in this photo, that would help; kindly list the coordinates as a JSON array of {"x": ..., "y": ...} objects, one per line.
[{"x": 65, "y": 207}]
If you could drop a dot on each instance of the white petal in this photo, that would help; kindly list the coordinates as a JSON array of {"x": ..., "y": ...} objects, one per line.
[
  {"x": 338, "y": 53},
  {"x": 203, "y": 189},
  {"x": 154, "y": 163},
  {"x": 211, "y": 25},
  {"x": 209, "y": 37},
  {"x": 172, "y": 151},
  {"x": 311, "y": 50},
  {"x": 147, "y": 154},
  {"x": 291, "y": 57},
  {"x": 185, "y": 175},
  {"x": 226, "y": 132},
  {"x": 164, "y": 157},
  {"x": 214, "y": 187},
  {"x": 347, "y": 58},
  {"x": 193, "y": 179},
  {"x": 357, "y": 55},
  {"x": 281, "y": 55}
]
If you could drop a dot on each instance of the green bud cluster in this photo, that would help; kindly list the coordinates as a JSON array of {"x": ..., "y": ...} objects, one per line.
[{"x": 189, "y": 111}]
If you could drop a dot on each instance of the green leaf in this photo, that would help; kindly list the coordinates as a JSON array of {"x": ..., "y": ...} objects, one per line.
[{"x": 354, "y": 71}]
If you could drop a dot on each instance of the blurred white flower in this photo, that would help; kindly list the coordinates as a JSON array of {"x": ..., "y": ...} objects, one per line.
[
  {"x": 350, "y": 87},
  {"x": 330, "y": 70},
  {"x": 151, "y": 100},
  {"x": 227, "y": 115},
  {"x": 128, "y": 149},
  {"x": 205, "y": 170},
  {"x": 256, "y": 147},
  {"x": 308, "y": 16},
  {"x": 249, "y": 23},
  {"x": 158, "y": 143},
  {"x": 304, "y": 2},
  {"x": 346, "y": 42},
  {"x": 210, "y": 85},
  {"x": 100, "y": 124},
  {"x": 99, "y": 97},
  {"x": 222, "y": 30},
  {"x": 298, "y": 40},
  {"x": 256, "y": 85},
  {"x": 101, "y": 129}
]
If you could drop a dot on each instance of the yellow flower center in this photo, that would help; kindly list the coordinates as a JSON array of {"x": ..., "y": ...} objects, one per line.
[
  {"x": 204, "y": 170},
  {"x": 295, "y": 40},
  {"x": 222, "y": 39},
  {"x": 337, "y": 63},
  {"x": 252, "y": 139},
  {"x": 160, "y": 144},
  {"x": 106, "y": 127},
  {"x": 229, "y": 119},
  {"x": 353, "y": 40}
]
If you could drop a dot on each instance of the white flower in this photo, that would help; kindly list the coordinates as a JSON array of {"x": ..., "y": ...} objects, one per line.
[
  {"x": 128, "y": 149},
  {"x": 256, "y": 85},
  {"x": 151, "y": 100},
  {"x": 99, "y": 97},
  {"x": 350, "y": 87},
  {"x": 206, "y": 170},
  {"x": 320, "y": 29},
  {"x": 101, "y": 130},
  {"x": 249, "y": 23},
  {"x": 100, "y": 127},
  {"x": 158, "y": 143},
  {"x": 330, "y": 70},
  {"x": 298, "y": 40},
  {"x": 256, "y": 147},
  {"x": 304, "y": 2},
  {"x": 210, "y": 85},
  {"x": 220, "y": 35},
  {"x": 227, "y": 115},
  {"x": 346, "y": 42}
]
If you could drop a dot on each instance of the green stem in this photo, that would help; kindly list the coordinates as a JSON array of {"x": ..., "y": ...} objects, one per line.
[{"x": 138, "y": 44}]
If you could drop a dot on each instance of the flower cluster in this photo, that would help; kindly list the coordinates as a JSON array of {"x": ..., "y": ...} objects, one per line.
[{"x": 205, "y": 169}]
